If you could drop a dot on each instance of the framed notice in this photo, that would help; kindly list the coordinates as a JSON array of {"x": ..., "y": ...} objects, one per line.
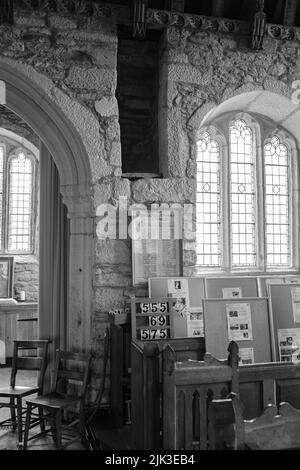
[
  {"x": 155, "y": 258},
  {"x": 156, "y": 243}
]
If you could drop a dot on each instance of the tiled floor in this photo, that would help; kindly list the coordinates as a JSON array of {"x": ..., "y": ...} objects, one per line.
[{"x": 109, "y": 437}]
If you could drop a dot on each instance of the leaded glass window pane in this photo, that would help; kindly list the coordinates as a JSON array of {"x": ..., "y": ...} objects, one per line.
[
  {"x": 242, "y": 195},
  {"x": 20, "y": 203},
  {"x": 208, "y": 202},
  {"x": 277, "y": 215}
]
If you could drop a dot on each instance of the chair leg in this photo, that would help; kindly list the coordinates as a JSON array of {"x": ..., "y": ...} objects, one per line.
[
  {"x": 13, "y": 413},
  {"x": 19, "y": 415},
  {"x": 82, "y": 431},
  {"x": 42, "y": 421},
  {"x": 27, "y": 425},
  {"x": 58, "y": 419}
]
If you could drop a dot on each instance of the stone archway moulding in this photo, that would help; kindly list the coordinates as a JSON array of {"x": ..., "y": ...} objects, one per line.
[
  {"x": 59, "y": 137},
  {"x": 31, "y": 103}
]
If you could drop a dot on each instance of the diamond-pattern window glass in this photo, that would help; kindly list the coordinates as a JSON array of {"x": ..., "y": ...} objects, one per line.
[
  {"x": 20, "y": 203},
  {"x": 208, "y": 202},
  {"x": 277, "y": 210},
  {"x": 242, "y": 195}
]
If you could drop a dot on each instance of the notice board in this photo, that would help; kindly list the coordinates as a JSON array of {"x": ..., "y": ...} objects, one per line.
[
  {"x": 265, "y": 281},
  {"x": 285, "y": 307},
  {"x": 216, "y": 323},
  {"x": 158, "y": 287},
  {"x": 222, "y": 287},
  {"x": 190, "y": 291}
]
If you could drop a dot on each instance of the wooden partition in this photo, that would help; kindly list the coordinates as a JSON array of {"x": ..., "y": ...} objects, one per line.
[
  {"x": 188, "y": 388},
  {"x": 261, "y": 384},
  {"x": 146, "y": 383},
  {"x": 120, "y": 368},
  {"x": 18, "y": 321},
  {"x": 170, "y": 397}
]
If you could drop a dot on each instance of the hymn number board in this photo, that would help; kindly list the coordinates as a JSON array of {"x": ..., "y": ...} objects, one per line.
[{"x": 152, "y": 318}]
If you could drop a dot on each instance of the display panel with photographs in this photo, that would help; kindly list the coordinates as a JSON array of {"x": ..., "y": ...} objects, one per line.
[
  {"x": 189, "y": 293},
  {"x": 247, "y": 322},
  {"x": 285, "y": 305}
]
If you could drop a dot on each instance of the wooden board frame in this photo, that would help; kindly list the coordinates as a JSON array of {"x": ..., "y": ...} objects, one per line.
[
  {"x": 216, "y": 335},
  {"x": 137, "y": 318},
  {"x": 276, "y": 279}
]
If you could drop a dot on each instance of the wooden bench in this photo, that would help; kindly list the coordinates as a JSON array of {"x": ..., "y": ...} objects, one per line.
[
  {"x": 120, "y": 368},
  {"x": 146, "y": 386},
  {"x": 275, "y": 429},
  {"x": 162, "y": 421},
  {"x": 188, "y": 388}
]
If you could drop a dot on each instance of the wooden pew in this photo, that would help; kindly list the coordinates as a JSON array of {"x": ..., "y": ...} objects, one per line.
[
  {"x": 262, "y": 384},
  {"x": 275, "y": 429},
  {"x": 188, "y": 388},
  {"x": 146, "y": 386},
  {"x": 120, "y": 368}
]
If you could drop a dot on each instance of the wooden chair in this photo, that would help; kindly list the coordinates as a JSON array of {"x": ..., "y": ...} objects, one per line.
[
  {"x": 274, "y": 429},
  {"x": 15, "y": 393},
  {"x": 63, "y": 397}
]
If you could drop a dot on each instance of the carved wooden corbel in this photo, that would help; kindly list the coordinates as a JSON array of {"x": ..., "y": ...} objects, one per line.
[
  {"x": 139, "y": 20},
  {"x": 259, "y": 26}
]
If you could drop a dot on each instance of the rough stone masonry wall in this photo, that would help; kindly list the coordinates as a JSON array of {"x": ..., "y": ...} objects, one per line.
[{"x": 26, "y": 277}]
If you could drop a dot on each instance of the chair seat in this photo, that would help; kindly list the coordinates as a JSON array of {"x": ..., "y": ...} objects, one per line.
[
  {"x": 53, "y": 400},
  {"x": 19, "y": 391}
]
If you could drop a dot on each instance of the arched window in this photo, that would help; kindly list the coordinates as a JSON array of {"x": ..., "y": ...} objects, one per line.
[
  {"x": 242, "y": 195},
  {"x": 277, "y": 203},
  {"x": 208, "y": 202},
  {"x": 244, "y": 198},
  {"x": 17, "y": 200}
]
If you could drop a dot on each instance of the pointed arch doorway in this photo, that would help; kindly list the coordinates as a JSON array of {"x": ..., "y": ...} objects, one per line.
[{"x": 61, "y": 147}]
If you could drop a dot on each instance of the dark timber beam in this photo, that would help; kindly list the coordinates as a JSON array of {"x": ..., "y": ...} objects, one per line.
[
  {"x": 277, "y": 15},
  {"x": 218, "y": 8},
  {"x": 290, "y": 12},
  {"x": 175, "y": 5},
  {"x": 6, "y": 11}
]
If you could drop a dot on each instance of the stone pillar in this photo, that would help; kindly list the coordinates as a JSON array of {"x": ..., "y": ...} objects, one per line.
[{"x": 80, "y": 299}]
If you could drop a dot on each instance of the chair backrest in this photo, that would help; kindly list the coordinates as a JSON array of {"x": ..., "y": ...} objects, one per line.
[
  {"x": 72, "y": 369},
  {"x": 36, "y": 361},
  {"x": 274, "y": 429}
]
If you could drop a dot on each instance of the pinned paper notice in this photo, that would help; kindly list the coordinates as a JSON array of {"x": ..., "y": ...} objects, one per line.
[
  {"x": 2, "y": 92},
  {"x": 2, "y": 353}
]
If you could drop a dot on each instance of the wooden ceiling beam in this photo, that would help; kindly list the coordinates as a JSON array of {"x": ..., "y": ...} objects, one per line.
[
  {"x": 290, "y": 10},
  {"x": 6, "y": 11},
  {"x": 175, "y": 5}
]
